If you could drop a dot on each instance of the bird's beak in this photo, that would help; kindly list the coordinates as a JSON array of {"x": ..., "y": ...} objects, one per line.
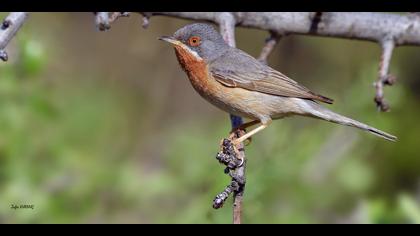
[
  {"x": 180, "y": 44},
  {"x": 171, "y": 40}
]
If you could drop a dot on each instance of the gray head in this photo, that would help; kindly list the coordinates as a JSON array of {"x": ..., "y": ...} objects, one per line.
[{"x": 200, "y": 38}]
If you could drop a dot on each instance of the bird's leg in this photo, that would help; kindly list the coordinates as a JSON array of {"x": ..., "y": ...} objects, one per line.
[
  {"x": 243, "y": 127},
  {"x": 263, "y": 125},
  {"x": 238, "y": 140}
]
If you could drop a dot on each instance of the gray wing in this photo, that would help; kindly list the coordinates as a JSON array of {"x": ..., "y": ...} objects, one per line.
[{"x": 238, "y": 69}]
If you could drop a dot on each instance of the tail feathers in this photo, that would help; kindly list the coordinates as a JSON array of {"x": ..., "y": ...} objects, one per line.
[
  {"x": 320, "y": 112},
  {"x": 379, "y": 133}
]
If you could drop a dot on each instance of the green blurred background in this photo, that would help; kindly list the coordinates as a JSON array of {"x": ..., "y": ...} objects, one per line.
[{"x": 104, "y": 127}]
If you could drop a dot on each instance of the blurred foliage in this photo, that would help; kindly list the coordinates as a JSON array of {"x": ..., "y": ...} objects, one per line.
[{"x": 104, "y": 127}]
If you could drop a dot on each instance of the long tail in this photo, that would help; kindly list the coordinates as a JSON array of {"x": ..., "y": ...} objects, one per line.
[{"x": 323, "y": 113}]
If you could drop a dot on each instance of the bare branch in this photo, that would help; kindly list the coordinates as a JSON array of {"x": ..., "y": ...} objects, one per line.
[
  {"x": 383, "y": 77},
  {"x": 10, "y": 26},
  {"x": 270, "y": 44},
  {"x": 104, "y": 20},
  {"x": 351, "y": 25}
]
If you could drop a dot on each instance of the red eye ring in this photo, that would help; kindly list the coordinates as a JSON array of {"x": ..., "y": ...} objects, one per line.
[{"x": 194, "y": 41}]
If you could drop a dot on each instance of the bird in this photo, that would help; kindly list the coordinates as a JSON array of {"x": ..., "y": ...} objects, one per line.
[{"x": 239, "y": 84}]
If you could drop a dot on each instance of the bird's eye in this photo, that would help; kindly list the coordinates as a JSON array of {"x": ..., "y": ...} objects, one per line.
[{"x": 194, "y": 41}]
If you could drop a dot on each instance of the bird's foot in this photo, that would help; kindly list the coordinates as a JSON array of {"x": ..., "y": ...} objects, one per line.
[
  {"x": 233, "y": 137},
  {"x": 236, "y": 133}
]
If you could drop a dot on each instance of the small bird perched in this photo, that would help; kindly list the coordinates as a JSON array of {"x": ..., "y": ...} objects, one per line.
[{"x": 239, "y": 84}]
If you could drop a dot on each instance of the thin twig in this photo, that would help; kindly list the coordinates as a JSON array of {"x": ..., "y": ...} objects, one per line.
[
  {"x": 384, "y": 78},
  {"x": 10, "y": 26},
  {"x": 270, "y": 44},
  {"x": 105, "y": 19},
  {"x": 115, "y": 15}
]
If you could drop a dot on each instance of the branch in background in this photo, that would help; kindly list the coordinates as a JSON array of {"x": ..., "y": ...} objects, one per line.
[
  {"x": 115, "y": 15},
  {"x": 10, "y": 26},
  {"x": 226, "y": 22},
  {"x": 384, "y": 78},
  {"x": 374, "y": 27},
  {"x": 270, "y": 44},
  {"x": 104, "y": 20}
]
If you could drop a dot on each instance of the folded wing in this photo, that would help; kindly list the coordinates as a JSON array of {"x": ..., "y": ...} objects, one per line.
[{"x": 246, "y": 72}]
